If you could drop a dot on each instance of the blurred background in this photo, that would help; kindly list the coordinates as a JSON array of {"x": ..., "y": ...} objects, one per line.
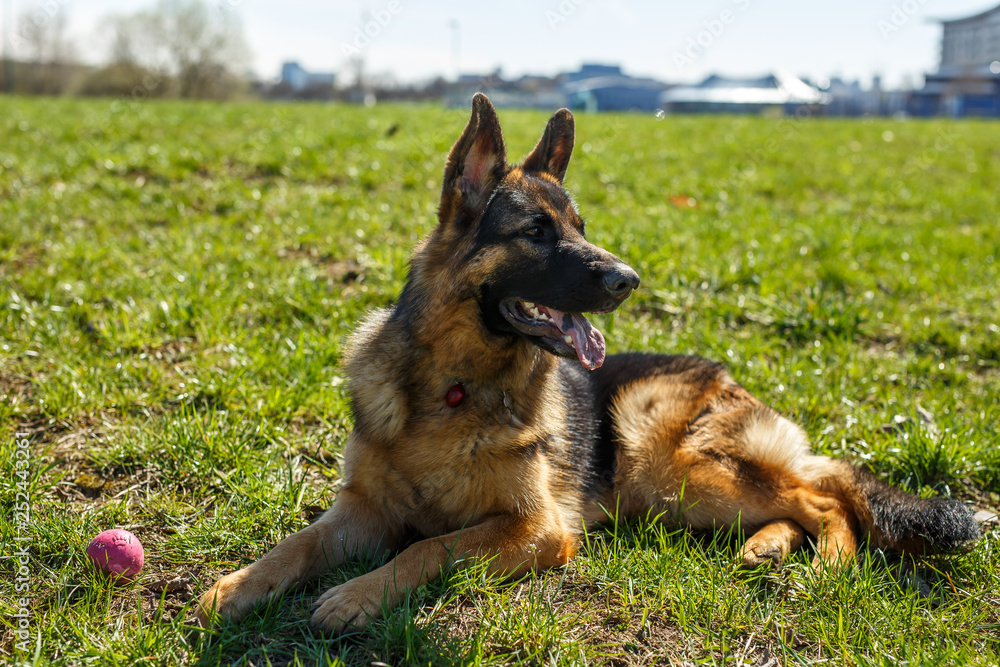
[{"x": 852, "y": 58}]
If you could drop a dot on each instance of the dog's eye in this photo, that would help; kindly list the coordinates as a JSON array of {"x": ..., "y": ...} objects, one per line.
[{"x": 534, "y": 232}]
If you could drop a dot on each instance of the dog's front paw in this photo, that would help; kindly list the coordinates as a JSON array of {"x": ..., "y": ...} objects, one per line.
[
  {"x": 234, "y": 594},
  {"x": 354, "y": 603},
  {"x": 231, "y": 596},
  {"x": 755, "y": 555}
]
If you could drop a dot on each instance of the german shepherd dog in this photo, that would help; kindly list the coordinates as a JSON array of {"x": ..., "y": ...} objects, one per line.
[{"x": 489, "y": 422}]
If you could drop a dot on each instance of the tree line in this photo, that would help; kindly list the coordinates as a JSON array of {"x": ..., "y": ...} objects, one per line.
[{"x": 176, "y": 48}]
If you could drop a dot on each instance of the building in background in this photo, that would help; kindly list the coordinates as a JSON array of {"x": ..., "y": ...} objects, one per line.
[
  {"x": 849, "y": 98},
  {"x": 780, "y": 93},
  {"x": 591, "y": 88},
  {"x": 968, "y": 81},
  {"x": 846, "y": 97},
  {"x": 299, "y": 81},
  {"x": 525, "y": 92},
  {"x": 606, "y": 88},
  {"x": 971, "y": 41}
]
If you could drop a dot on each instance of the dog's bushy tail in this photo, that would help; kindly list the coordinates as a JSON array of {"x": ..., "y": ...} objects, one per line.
[{"x": 901, "y": 521}]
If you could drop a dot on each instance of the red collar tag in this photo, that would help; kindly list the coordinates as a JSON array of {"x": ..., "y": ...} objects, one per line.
[{"x": 455, "y": 395}]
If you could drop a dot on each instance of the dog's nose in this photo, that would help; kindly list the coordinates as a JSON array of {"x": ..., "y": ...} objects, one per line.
[{"x": 620, "y": 281}]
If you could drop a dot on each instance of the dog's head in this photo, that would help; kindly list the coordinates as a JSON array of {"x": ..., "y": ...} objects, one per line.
[{"x": 519, "y": 240}]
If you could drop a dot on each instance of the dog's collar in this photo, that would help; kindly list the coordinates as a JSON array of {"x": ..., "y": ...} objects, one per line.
[{"x": 455, "y": 395}]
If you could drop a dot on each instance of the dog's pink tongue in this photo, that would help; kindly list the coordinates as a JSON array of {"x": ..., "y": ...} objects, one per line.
[{"x": 588, "y": 341}]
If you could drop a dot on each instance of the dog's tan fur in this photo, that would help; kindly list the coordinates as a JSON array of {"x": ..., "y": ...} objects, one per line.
[{"x": 497, "y": 476}]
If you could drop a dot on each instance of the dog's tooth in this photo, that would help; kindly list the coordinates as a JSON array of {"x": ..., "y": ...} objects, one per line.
[{"x": 568, "y": 339}]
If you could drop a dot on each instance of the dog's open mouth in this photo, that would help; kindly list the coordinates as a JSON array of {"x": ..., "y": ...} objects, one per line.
[{"x": 567, "y": 334}]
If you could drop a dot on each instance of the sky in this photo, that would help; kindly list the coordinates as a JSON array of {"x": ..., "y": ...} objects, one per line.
[{"x": 674, "y": 41}]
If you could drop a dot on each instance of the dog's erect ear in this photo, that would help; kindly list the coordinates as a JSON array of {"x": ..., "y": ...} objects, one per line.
[
  {"x": 476, "y": 164},
  {"x": 553, "y": 151}
]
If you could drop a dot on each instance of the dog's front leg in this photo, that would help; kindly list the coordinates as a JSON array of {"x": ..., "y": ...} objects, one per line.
[
  {"x": 353, "y": 527},
  {"x": 514, "y": 543}
]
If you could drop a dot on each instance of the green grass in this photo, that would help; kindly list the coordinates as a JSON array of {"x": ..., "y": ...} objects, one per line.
[{"x": 177, "y": 281}]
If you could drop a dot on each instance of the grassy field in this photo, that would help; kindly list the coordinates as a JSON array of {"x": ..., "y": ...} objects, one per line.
[{"x": 177, "y": 281}]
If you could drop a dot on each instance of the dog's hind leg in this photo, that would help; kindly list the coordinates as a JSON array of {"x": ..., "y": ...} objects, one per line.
[
  {"x": 352, "y": 527},
  {"x": 772, "y": 544},
  {"x": 711, "y": 462},
  {"x": 828, "y": 516}
]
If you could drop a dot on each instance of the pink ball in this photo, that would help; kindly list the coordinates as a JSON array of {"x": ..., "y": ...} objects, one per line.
[{"x": 117, "y": 552}]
